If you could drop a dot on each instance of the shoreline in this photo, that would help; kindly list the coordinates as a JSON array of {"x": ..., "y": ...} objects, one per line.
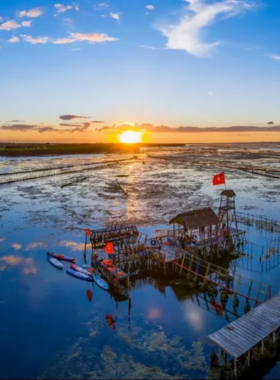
[{"x": 25, "y": 150}]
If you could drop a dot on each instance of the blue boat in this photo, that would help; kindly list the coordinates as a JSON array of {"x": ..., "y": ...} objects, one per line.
[
  {"x": 56, "y": 263},
  {"x": 79, "y": 275},
  {"x": 100, "y": 282}
]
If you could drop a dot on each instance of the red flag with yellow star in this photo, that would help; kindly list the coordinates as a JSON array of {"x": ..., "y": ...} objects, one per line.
[{"x": 219, "y": 179}]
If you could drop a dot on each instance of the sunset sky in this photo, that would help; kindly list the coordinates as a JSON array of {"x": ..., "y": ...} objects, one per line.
[{"x": 87, "y": 70}]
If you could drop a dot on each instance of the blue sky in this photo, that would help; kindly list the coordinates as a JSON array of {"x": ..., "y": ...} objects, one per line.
[{"x": 200, "y": 63}]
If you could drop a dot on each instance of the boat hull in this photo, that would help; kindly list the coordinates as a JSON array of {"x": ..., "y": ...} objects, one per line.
[
  {"x": 79, "y": 275},
  {"x": 100, "y": 282},
  {"x": 56, "y": 263},
  {"x": 61, "y": 257},
  {"x": 81, "y": 270}
]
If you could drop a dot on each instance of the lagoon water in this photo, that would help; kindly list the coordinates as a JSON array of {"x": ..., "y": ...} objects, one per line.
[{"x": 50, "y": 329}]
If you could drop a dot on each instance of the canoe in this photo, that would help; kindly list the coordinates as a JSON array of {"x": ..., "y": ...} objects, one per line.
[
  {"x": 56, "y": 263},
  {"x": 100, "y": 282},
  {"x": 79, "y": 275},
  {"x": 81, "y": 270},
  {"x": 61, "y": 257}
]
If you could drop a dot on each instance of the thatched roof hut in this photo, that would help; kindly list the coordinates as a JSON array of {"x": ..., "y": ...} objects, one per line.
[{"x": 196, "y": 218}]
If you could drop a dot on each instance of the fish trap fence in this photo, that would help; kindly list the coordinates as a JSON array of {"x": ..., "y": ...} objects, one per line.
[
  {"x": 260, "y": 222},
  {"x": 226, "y": 279}
]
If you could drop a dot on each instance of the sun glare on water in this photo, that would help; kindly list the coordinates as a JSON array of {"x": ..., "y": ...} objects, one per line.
[{"x": 130, "y": 137}]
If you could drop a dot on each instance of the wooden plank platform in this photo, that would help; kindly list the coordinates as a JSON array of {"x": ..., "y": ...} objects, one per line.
[{"x": 240, "y": 336}]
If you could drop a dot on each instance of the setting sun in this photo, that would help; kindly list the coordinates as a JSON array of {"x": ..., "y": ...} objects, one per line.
[{"x": 130, "y": 137}]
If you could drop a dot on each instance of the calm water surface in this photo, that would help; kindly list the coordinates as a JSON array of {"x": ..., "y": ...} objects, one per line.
[{"x": 50, "y": 329}]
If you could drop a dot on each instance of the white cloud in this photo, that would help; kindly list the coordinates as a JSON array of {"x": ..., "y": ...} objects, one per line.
[
  {"x": 252, "y": 47},
  {"x": 26, "y": 23},
  {"x": 276, "y": 57},
  {"x": 63, "y": 41},
  {"x": 1, "y": 19},
  {"x": 60, "y": 8},
  {"x": 151, "y": 7},
  {"x": 88, "y": 37},
  {"x": 68, "y": 21},
  {"x": 147, "y": 47},
  {"x": 115, "y": 16},
  {"x": 210, "y": 93},
  {"x": 186, "y": 34},
  {"x": 13, "y": 40},
  {"x": 35, "y": 40},
  {"x": 11, "y": 24},
  {"x": 35, "y": 12},
  {"x": 101, "y": 6}
]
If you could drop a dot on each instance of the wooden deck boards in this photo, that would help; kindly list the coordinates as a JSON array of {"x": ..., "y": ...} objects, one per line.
[{"x": 243, "y": 334}]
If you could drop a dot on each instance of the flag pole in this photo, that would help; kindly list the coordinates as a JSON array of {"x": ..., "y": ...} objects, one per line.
[
  {"x": 225, "y": 182},
  {"x": 85, "y": 250}
]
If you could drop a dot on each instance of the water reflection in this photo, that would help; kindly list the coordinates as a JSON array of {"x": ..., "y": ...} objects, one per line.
[
  {"x": 26, "y": 264},
  {"x": 157, "y": 333},
  {"x": 73, "y": 245},
  {"x": 34, "y": 245},
  {"x": 89, "y": 295},
  {"x": 16, "y": 246},
  {"x": 154, "y": 313},
  {"x": 111, "y": 322},
  {"x": 193, "y": 317}
]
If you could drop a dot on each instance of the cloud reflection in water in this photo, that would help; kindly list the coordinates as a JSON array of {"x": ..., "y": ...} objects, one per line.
[
  {"x": 27, "y": 265},
  {"x": 193, "y": 317}
]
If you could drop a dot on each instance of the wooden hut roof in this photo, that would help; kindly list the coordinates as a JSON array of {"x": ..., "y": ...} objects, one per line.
[
  {"x": 228, "y": 193},
  {"x": 196, "y": 218}
]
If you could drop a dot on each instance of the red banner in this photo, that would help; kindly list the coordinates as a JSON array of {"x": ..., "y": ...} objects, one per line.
[
  {"x": 219, "y": 179},
  {"x": 87, "y": 231}
]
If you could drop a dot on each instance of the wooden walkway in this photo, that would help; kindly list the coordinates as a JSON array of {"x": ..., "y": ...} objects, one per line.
[{"x": 240, "y": 336}]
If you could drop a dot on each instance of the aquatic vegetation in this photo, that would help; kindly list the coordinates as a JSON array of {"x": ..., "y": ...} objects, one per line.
[{"x": 142, "y": 352}]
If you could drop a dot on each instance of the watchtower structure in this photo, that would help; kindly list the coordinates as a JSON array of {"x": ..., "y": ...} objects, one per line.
[{"x": 227, "y": 213}]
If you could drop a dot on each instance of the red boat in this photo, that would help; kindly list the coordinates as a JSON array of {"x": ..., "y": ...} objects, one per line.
[{"x": 61, "y": 257}]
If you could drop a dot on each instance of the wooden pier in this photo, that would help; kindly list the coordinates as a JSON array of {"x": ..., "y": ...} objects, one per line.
[{"x": 238, "y": 338}]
